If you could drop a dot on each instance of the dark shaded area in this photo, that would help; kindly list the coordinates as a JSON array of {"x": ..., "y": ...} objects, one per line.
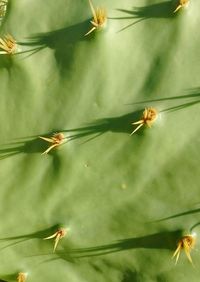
[
  {"x": 9, "y": 277},
  {"x": 131, "y": 276},
  {"x": 62, "y": 41},
  {"x": 121, "y": 124},
  {"x": 156, "y": 71},
  {"x": 41, "y": 234},
  {"x": 28, "y": 146},
  {"x": 163, "y": 240},
  {"x": 158, "y": 10},
  {"x": 38, "y": 234},
  {"x": 35, "y": 145},
  {"x": 6, "y": 61},
  {"x": 193, "y": 93},
  {"x": 164, "y": 54},
  {"x": 179, "y": 214},
  {"x": 59, "y": 37},
  {"x": 153, "y": 11},
  {"x": 180, "y": 107}
]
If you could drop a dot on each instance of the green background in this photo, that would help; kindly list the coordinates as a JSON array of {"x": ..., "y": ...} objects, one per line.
[{"x": 108, "y": 191}]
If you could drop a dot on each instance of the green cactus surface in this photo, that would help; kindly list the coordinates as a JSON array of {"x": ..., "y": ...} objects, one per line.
[{"x": 124, "y": 200}]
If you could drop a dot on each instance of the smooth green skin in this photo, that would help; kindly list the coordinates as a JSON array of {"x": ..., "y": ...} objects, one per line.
[{"x": 111, "y": 190}]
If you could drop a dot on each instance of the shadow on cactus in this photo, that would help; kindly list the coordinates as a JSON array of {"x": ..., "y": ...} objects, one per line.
[
  {"x": 9, "y": 277},
  {"x": 6, "y": 61},
  {"x": 180, "y": 107},
  {"x": 121, "y": 124},
  {"x": 158, "y": 10},
  {"x": 17, "y": 276},
  {"x": 62, "y": 41},
  {"x": 130, "y": 276},
  {"x": 179, "y": 214},
  {"x": 41, "y": 234},
  {"x": 153, "y": 11},
  {"x": 193, "y": 93},
  {"x": 25, "y": 146},
  {"x": 158, "y": 66},
  {"x": 162, "y": 240},
  {"x": 20, "y": 147}
]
